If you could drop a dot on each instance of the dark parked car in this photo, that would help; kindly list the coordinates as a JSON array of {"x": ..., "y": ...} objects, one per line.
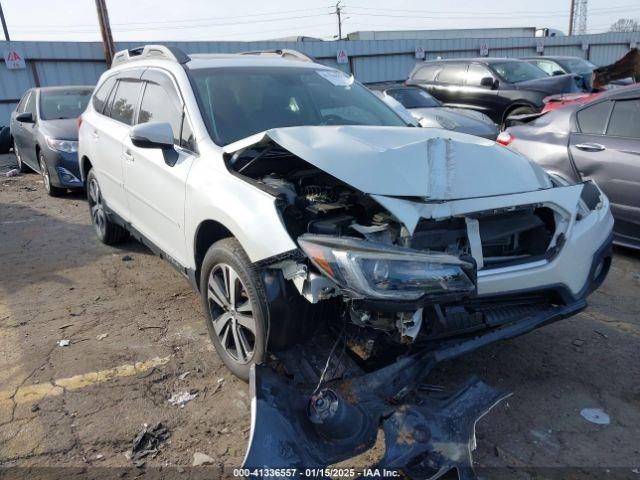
[
  {"x": 498, "y": 87},
  {"x": 598, "y": 140},
  {"x": 554, "y": 66},
  {"x": 431, "y": 113},
  {"x": 575, "y": 65},
  {"x": 44, "y": 128}
]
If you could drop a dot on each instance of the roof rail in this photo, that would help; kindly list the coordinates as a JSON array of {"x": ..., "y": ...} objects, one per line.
[
  {"x": 282, "y": 52},
  {"x": 150, "y": 51}
]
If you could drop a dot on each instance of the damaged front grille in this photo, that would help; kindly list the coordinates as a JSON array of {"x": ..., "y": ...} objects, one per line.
[
  {"x": 441, "y": 321},
  {"x": 495, "y": 238}
]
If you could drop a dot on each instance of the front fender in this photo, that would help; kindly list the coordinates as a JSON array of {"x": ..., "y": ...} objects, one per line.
[{"x": 249, "y": 213}]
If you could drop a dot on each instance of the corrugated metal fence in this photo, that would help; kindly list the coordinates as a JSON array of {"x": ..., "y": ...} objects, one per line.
[{"x": 80, "y": 63}]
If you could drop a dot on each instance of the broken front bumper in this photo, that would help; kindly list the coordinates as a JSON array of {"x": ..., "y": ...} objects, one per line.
[{"x": 305, "y": 429}]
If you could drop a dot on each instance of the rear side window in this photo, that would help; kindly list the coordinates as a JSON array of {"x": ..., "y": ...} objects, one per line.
[
  {"x": 625, "y": 119},
  {"x": 101, "y": 95},
  {"x": 427, "y": 73},
  {"x": 452, "y": 74},
  {"x": 593, "y": 119},
  {"x": 157, "y": 106},
  {"x": 124, "y": 101}
]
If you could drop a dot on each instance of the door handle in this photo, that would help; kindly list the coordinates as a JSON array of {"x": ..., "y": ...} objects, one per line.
[
  {"x": 590, "y": 147},
  {"x": 129, "y": 157}
]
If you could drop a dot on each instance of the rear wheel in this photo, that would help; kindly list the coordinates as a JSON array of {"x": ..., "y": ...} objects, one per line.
[
  {"x": 107, "y": 231},
  {"x": 46, "y": 178},
  {"x": 235, "y": 305}
]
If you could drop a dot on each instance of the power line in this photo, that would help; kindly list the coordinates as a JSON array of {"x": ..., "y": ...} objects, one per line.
[
  {"x": 193, "y": 25},
  {"x": 185, "y": 20},
  {"x": 493, "y": 13}
]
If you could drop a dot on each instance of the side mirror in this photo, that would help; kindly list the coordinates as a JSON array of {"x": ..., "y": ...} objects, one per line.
[
  {"x": 487, "y": 82},
  {"x": 25, "y": 117},
  {"x": 152, "y": 135}
]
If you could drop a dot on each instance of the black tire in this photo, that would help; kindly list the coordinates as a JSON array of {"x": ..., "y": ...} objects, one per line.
[
  {"x": 52, "y": 190},
  {"x": 107, "y": 231},
  {"x": 22, "y": 167},
  {"x": 5, "y": 140},
  {"x": 228, "y": 315}
]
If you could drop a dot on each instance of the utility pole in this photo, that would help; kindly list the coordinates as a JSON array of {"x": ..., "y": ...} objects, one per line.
[
  {"x": 105, "y": 31},
  {"x": 4, "y": 25},
  {"x": 338, "y": 12},
  {"x": 572, "y": 15}
]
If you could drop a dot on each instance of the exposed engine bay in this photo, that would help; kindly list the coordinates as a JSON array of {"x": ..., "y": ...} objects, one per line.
[{"x": 327, "y": 215}]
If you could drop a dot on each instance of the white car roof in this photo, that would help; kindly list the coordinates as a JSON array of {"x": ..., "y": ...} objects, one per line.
[{"x": 215, "y": 60}]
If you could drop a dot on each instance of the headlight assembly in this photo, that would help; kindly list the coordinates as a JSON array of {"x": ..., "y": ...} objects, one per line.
[
  {"x": 379, "y": 271},
  {"x": 68, "y": 146}
]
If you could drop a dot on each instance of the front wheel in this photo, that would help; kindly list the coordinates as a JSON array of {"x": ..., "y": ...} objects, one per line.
[
  {"x": 235, "y": 305},
  {"x": 106, "y": 230},
  {"x": 46, "y": 178}
]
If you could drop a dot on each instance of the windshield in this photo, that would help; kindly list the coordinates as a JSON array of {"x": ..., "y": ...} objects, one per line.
[
  {"x": 577, "y": 65},
  {"x": 61, "y": 104},
  {"x": 413, "y": 98},
  {"x": 514, "y": 72},
  {"x": 240, "y": 101}
]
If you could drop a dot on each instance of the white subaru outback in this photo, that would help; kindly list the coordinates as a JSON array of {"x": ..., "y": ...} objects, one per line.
[{"x": 292, "y": 197}]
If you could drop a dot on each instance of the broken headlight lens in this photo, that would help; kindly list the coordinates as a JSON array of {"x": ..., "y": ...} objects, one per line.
[{"x": 380, "y": 271}]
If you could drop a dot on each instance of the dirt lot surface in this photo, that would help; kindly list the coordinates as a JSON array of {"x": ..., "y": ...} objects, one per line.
[{"x": 137, "y": 335}]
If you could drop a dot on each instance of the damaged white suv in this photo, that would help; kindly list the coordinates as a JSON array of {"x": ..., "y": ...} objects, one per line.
[{"x": 293, "y": 198}]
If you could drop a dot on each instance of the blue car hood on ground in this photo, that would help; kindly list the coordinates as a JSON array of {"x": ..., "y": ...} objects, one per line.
[
  {"x": 62, "y": 129},
  {"x": 552, "y": 85}
]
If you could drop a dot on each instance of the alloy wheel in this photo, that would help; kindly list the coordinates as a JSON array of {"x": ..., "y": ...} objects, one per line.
[
  {"x": 45, "y": 174},
  {"x": 231, "y": 313},
  {"x": 98, "y": 215}
]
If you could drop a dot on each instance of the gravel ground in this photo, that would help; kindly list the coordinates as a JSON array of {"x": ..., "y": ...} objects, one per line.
[{"x": 137, "y": 335}]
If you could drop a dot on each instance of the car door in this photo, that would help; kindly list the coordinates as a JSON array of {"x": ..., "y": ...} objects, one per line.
[
  {"x": 606, "y": 148},
  {"x": 155, "y": 188},
  {"x": 481, "y": 95},
  {"x": 25, "y": 134},
  {"x": 16, "y": 127},
  {"x": 449, "y": 85},
  {"x": 108, "y": 133}
]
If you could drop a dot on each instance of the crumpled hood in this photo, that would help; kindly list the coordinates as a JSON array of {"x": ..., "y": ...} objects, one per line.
[
  {"x": 409, "y": 162},
  {"x": 551, "y": 85}
]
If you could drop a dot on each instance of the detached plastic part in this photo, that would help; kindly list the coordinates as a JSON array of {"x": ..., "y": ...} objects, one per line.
[{"x": 424, "y": 437}]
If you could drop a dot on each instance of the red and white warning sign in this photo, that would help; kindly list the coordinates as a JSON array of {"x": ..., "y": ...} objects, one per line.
[
  {"x": 14, "y": 59},
  {"x": 342, "y": 56},
  {"x": 419, "y": 52}
]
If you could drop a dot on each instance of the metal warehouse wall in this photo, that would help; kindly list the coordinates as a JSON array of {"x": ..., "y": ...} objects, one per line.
[{"x": 80, "y": 63}]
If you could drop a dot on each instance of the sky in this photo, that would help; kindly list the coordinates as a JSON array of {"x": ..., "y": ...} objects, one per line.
[{"x": 145, "y": 20}]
